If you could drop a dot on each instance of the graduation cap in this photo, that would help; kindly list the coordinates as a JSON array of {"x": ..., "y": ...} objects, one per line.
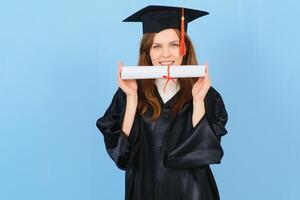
[{"x": 157, "y": 18}]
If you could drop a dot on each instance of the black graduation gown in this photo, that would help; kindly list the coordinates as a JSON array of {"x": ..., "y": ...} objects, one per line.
[{"x": 169, "y": 158}]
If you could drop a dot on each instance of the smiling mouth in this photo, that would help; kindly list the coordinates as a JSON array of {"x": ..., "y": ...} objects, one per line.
[{"x": 166, "y": 63}]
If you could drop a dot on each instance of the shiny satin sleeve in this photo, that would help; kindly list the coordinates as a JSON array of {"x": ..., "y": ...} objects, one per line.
[
  {"x": 200, "y": 145},
  {"x": 119, "y": 147}
]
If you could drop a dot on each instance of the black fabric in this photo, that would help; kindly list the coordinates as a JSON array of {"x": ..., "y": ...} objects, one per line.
[
  {"x": 157, "y": 18},
  {"x": 168, "y": 158}
]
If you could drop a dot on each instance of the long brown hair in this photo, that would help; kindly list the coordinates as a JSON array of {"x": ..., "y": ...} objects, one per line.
[{"x": 146, "y": 87}]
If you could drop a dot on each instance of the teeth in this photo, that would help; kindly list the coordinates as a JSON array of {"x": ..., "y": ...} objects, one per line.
[{"x": 166, "y": 63}]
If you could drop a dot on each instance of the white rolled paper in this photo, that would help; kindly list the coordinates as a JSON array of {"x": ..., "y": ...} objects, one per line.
[{"x": 153, "y": 72}]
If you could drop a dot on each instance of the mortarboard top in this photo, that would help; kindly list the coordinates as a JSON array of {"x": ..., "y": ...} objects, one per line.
[{"x": 157, "y": 18}]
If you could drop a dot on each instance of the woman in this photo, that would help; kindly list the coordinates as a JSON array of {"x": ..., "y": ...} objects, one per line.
[{"x": 165, "y": 141}]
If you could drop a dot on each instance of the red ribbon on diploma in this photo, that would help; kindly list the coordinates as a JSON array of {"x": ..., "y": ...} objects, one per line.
[{"x": 168, "y": 77}]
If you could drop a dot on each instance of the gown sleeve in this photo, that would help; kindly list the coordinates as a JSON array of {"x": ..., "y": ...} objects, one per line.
[
  {"x": 119, "y": 147},
  {"x": 199, "y": 145}
]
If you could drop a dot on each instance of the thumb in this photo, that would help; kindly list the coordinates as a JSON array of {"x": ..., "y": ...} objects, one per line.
[{"x": 206, "y": 67}]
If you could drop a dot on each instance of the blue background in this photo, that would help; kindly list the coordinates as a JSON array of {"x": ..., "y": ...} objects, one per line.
[{"x": 58, "y": 64}]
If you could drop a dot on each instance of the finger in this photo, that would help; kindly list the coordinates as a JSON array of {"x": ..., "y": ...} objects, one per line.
[
  {"x": 200, "y": 79},
  {"x": 207, "y": 71},
  {"x": 206, "y": 67},
  {"x": 119, "y": 69},
  {"x": 119, "y": 73},
  {"x": 120, "y": 65},
  {"x": 209, "y": 82},
  {"x": 119, "y": 79}
]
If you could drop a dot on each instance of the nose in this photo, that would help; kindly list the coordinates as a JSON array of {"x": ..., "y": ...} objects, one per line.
[{"x": 165, "y": 52}]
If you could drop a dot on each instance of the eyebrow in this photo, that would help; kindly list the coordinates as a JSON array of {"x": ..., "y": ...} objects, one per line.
[{"x": 169, "y": 42}]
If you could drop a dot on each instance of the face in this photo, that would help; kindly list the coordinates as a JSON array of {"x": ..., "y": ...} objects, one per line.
[{"x": 165, "y": 49}]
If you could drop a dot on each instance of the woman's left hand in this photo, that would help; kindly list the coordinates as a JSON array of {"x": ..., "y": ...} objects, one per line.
[{"x": 201, "y": 87}]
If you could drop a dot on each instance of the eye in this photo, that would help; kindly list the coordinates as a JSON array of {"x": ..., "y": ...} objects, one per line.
[
  {"x": 174, "y": 45},
  {"x": 156, "y": 46}
]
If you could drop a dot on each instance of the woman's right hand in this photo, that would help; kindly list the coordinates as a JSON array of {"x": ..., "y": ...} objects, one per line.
[{"x": 128, "y": 86}]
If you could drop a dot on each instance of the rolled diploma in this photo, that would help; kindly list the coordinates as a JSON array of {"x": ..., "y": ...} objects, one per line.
[{"x": 153, "y": 72}]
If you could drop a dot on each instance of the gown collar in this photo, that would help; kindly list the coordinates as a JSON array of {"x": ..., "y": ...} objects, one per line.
[{"x": 171, "y": 90}]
